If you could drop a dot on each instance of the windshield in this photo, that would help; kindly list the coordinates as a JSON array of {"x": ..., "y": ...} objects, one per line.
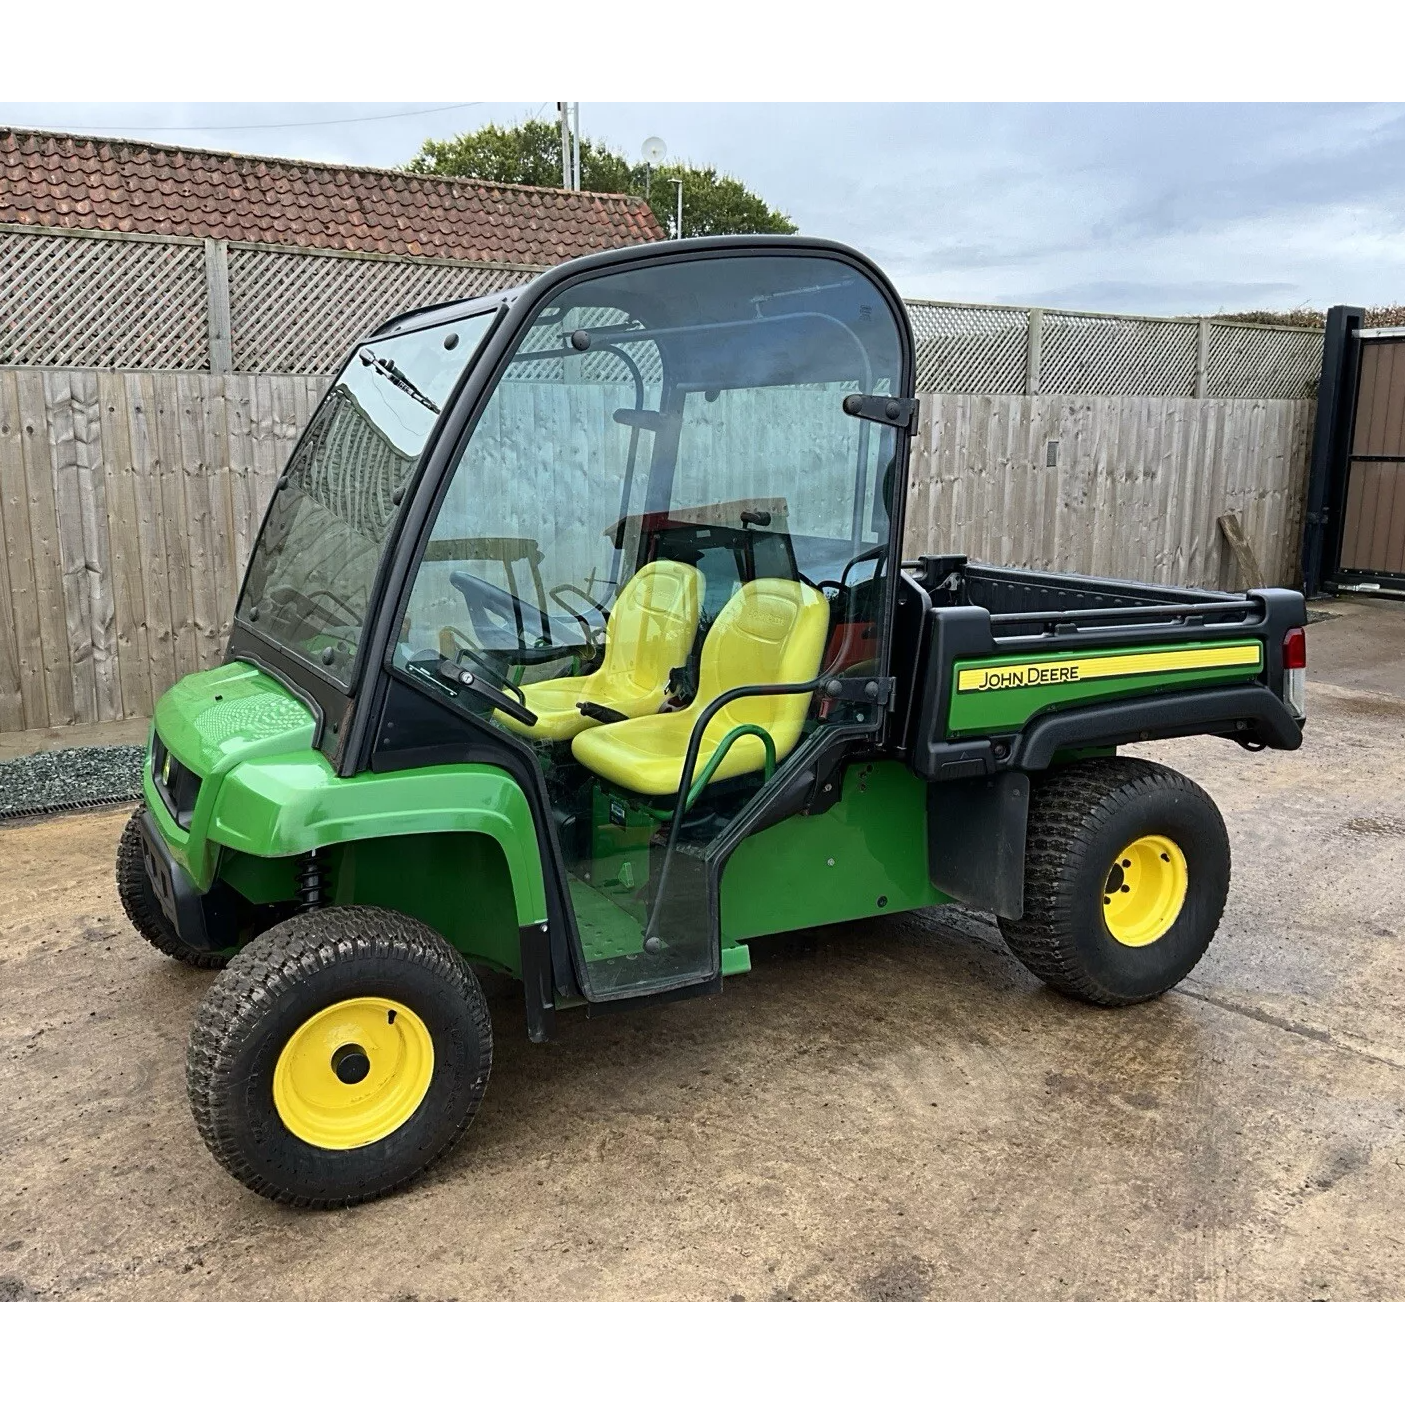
[
  {"x": 688, "y": 412},
  {"x": 310, "y": 577}
]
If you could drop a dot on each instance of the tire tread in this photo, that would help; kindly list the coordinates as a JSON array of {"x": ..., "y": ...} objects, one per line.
[
  {"x": 272, "y": 964},
  {"x": 1067, "y": 807}
]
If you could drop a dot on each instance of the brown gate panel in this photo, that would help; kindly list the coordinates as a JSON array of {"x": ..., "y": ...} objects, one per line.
[
  {"x": 1373, "y": 538},
  {"x": 1373, "y": 531}
]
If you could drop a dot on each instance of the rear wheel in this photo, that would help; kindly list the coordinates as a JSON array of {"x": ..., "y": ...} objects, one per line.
[
  {"x": 142, "y": 909},
  {"x": 1126, "y": 873},
  {"x": 339, "y": 1054}
]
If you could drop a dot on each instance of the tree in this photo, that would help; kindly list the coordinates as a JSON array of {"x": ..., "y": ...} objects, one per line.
[
  {"x": 530, "y": 154},
  {"x": 712, "y": 203}
]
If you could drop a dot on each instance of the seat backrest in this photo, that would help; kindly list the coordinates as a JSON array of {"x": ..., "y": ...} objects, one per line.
[
  {"x": 650, "y": 630},
  {"x": 770, "y": 631}
]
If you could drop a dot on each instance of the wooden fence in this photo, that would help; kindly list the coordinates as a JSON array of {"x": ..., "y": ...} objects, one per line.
[
  {"x": 129, "y": 501},
  {"x": 128, "y": 504},
  {"x": 1122, "y": 486}
]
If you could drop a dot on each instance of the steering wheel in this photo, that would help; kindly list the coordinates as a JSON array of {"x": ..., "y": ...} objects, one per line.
[
  {"x": 348, "y": 614},
  {"x": 596, "y": 605},
  {"x": 594, "y": 633},
  {"x": 507, "y": 624}
]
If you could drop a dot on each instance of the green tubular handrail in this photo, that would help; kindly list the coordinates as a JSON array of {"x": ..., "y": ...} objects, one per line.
[{"x": 746, "y": 729}]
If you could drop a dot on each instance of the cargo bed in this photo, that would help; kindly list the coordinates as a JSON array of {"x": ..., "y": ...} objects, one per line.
[{"x": 1171, "y": 661}]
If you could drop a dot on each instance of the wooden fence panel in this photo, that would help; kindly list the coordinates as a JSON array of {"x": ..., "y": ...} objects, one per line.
[
  {"x": 124, "y": 525},
  {"x": 1134, "y": 492},
  {"x": 129, "y": 502},
  {"x": 58, "y": 667},
  {"x": 146, "y": 493}
]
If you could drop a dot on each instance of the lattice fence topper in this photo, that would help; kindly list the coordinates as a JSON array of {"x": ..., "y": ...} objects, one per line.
[
  {"x": 1116, "y": 356},
  {"x": 995, "y": 350},
  {"x": 139, "y": 303},
  {"x": 302, "y": 312},
  {"x": 75, "y": 301},
  {"x": 1263, "y": 362},
  {"x": 973, "y": 350}
]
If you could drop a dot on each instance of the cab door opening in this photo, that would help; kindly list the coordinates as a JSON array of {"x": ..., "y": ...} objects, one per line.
[{"x": 673, "y": 449}]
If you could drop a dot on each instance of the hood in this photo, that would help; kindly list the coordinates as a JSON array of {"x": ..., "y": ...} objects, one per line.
[{"x": 212, "y": 721}]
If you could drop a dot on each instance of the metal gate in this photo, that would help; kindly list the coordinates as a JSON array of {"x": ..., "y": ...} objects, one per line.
[{"x": 1355, "y": 524}]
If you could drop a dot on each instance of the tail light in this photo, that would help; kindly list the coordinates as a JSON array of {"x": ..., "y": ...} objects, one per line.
[{"x": 1295, "y": 672}]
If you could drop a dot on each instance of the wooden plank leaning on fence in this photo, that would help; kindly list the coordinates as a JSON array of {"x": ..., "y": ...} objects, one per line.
[{"x": 1250, "y": 572}]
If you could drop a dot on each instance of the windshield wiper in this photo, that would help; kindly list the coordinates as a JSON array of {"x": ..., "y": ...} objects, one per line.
[{"x": 386, "y": 367}]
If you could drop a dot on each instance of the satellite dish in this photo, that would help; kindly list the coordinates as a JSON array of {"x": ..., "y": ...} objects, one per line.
[{"x": 654, "y": 150}]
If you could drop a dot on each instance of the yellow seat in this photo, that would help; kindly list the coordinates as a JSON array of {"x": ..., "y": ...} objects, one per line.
[
  {"x": 770, "y": 631},
  {"x": 649, "y": 633}
]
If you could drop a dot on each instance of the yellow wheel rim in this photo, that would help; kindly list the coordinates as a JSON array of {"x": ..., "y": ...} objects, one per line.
[
  {"x": 353, "y": 1073},
  {"x": 1145, "y": 890}
]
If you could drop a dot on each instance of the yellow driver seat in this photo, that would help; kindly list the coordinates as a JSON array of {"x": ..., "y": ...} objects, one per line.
[
  {"x": 649, "y": 633},
  {"x": 770, "y": 631}
]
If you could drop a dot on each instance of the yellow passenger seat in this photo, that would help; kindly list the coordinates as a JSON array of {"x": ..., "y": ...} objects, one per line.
[
  {"x": 770, "y": 631},
  {"x": 649, "y": 633}
]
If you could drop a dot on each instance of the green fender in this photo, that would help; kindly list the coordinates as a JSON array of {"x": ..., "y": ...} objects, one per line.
[{"x": 280, "y": 806}]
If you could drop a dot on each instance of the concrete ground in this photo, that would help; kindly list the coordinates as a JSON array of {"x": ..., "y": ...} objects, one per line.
[{"x": 901, "y": 1113}]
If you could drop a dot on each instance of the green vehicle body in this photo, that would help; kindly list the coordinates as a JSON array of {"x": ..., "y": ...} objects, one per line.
[
  {"x": 416, "y": 840},
  {"x": 992, "y": 675}
]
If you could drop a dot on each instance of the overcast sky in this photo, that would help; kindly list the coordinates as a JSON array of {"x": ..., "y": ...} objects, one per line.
[{"x": 1154, "y": 208}]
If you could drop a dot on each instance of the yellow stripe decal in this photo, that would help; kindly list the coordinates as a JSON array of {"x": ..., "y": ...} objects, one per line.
[{"x": 988, "y": 679}]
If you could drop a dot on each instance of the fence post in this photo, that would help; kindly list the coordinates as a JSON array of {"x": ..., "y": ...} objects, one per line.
[
  {"x": 1202, "y": 360},
  {"x": 217, "y": 306},
  {"x": 1033, "y": 351}
]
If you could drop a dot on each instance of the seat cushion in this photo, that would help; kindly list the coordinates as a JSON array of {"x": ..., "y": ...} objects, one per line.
[
  {"x": 647, "y": 754},
  {"x": 650, "y": 632},
  {"x": 554, "y": 701},
  {"x": 770, "y": 631}
]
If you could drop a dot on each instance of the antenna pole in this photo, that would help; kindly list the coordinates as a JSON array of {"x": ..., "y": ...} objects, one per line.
[
  {"x": 563, "y": 118},
  {"x": 576, "y": 166},
  {"x": 678, "y": 218}
]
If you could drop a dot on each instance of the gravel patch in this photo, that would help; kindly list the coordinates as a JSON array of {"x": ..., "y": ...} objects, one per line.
[{"x": 76, "y": 776}]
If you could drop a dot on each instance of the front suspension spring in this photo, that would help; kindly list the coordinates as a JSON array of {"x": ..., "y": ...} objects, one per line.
[{"x": 312, "y": 882}]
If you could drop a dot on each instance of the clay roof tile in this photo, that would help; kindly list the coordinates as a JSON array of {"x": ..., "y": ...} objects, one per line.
[{"x": 99, "y": 183}]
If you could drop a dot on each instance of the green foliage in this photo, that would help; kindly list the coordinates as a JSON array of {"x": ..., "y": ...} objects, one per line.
[
  {"x": 712, "y": 203},
  {"x": 530, "y": 154},
  {"x": 1387, "y": 315}
]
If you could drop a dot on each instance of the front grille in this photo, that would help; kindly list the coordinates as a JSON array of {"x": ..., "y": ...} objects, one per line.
[{"x": 177, "y": 785}]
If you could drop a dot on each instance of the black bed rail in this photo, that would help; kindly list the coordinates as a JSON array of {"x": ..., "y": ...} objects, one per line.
[{"x": 1058, "y": 622}]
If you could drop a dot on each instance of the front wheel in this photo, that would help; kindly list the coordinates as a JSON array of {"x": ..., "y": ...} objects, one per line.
[
  {"x": 1126, "y": 874},
  {"x": 142, "y": 909},
  {"x": 338, "y": 1055}
]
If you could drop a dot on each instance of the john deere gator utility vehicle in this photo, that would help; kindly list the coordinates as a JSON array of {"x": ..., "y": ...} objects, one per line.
[{"x": 578, "y": 645}]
